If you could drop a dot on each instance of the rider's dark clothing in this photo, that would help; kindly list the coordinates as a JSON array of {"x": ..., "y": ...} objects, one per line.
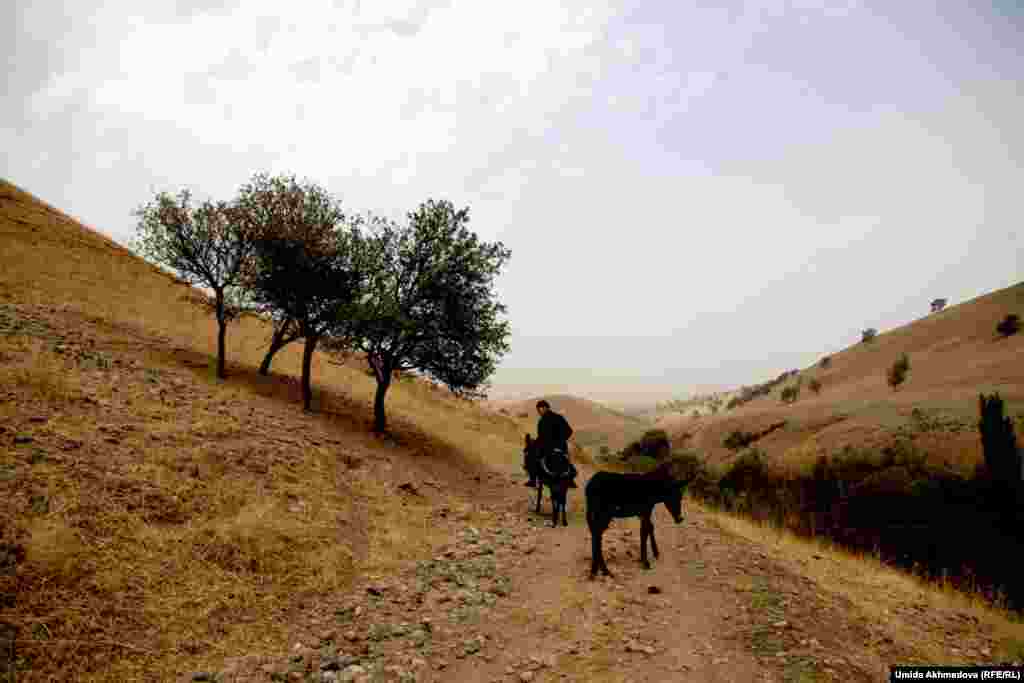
[{"x": 553, "y": 432}]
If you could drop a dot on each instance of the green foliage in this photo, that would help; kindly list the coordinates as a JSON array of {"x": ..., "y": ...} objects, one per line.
[
  {"x": 1009, "y": 326},
  {"x": 308, "y": 265},
  {"x": 814, "y": 385},
  {"x": 653, "y": 444},
  {"x": 868, "y": 335},
  {"x": 898, "y": 372},
  {"x": 1002, "y": 455},
  {"x": 746, "y": 474},
  {"x": 204, "y": 244},
  {"x": 738, "y": 439},
  {"x": 825, "y": 362},
  {"x": 430, "y": 305},
  {"x": 790, "y": 394}
]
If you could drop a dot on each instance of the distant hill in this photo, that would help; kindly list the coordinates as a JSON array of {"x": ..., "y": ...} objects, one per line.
[
  {"x": 595, "y": 425},
  {"x": 954, "y": 355}
]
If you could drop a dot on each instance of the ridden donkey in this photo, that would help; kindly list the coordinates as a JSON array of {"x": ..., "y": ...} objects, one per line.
[
  {"x": 611, "y": 495},
  {"x": 558, "y": 483}
]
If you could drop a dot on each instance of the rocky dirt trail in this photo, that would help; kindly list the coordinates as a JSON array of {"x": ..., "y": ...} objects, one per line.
[{"x": 508, "y": 599}]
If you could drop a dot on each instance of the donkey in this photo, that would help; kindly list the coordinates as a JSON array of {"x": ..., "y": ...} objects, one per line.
[
  {"x": 558, "y": 483},
  {"x": 611, "y": 495}
]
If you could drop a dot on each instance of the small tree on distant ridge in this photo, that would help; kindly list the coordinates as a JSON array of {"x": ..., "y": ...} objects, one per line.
[
  {"x": 898, "y": 372},
  {"x": 1009, "y": 326},
  {"x": 206, "y": 245},
  {"x": 868, "y": 335}
]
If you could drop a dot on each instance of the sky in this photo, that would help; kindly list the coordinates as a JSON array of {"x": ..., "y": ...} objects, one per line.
[{"x": 696, "y": 195}]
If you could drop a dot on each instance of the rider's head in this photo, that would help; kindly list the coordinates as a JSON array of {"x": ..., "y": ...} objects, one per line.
[{"x": 543, "y": 406}]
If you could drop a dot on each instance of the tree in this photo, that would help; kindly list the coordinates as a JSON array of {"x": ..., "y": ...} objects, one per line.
[
  {"x": 205, "y": 245},
  {"x": 938, "y": 305},
  {"x": 306, "y": 267},
  {"x": 868, "y": 335},
  {"x": 430, "y": 306},
  {"x": 814, "y": 385},
  {"x": 1002, "y": 455},
  {"x": 1010, "y": 325},
  {"x": 898, "y": 371},
  {"x": 286, "y": 331}
]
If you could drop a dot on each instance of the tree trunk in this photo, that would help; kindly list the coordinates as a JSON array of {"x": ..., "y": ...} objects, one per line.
[
  {"x": 276, "y": 344},
  {"x": 307, "y": 365},
  {"x": 222, "y": 331},
  {"x": 379, "y": 418}
]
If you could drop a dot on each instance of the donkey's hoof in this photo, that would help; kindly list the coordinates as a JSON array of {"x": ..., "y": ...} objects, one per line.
[{"x": 646, "y": 565}]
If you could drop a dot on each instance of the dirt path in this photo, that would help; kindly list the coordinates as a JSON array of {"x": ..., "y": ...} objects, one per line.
[{"x": 640, "y": 625}]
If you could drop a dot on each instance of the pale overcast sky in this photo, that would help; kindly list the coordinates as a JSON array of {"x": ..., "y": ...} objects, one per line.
[{"x": 695, "y": 194}]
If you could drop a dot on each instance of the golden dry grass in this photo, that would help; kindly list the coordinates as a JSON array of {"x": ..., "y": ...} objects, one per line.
[
  {"x": 188, "y": 518},
  {"x": 903, "y": 604}
]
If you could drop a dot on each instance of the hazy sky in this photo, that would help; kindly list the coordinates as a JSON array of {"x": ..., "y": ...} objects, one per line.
[{"x": 694, "y": 193}]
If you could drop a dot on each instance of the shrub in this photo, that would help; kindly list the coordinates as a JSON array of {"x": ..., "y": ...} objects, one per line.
[
  {"x": 815, "y": 386},
  {"x": 790, "y": 394},
  {"x": 737, "y": 440},
  {"x": 1009, "y": 326},
  {"x": 695, "y": 414},
  {"x": 746, "y": 473},
  {"x": 825, "y": 362},
  {"x": 653, "y": 444},
  {"x": 734, "y": 402},
  {"x": 1002, "y": 456},
  {"x": 868, "y": 335},
  {"x": 898, "y": 371}
]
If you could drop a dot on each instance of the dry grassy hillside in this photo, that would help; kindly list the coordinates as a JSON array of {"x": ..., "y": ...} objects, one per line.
[
  {"x": 594, "y": 425},
  {"x": 954, "y": 355},
  {"x": 155, "y": 519}
]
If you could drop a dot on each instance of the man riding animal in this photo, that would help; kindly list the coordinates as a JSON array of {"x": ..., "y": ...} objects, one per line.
[{"x": 553, "y": 433}]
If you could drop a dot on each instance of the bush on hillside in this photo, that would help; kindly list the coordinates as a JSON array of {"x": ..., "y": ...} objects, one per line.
[
  {"x": 790, "y": 394},
  {"x": 815, "y": 386},
  {"x": 868, "y": 335},
  {"x": 898, "y": 371},
  {"x": 1009, "y": 326},
  {"x": 1002, "y": 455},
  {"x": 825, "y": 362}
]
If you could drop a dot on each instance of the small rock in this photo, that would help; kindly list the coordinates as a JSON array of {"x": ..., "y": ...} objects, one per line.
[{"x": 653, "y": 590}]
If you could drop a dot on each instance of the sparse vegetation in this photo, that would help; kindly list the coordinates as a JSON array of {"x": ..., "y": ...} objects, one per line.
[
  {"x": 1002, "y": 454},
  {"x": 1009, "y": 326},
  {"x": 654, "y": 445},
  {"x": 790, "y": 394},
  {"x": 814, "y": 385},
  {"x": 898, "y": 371},
  {"x": 825, "y": 362},
  {"x": 868, "y": 335},
  {"x": 206, "y": 245}
]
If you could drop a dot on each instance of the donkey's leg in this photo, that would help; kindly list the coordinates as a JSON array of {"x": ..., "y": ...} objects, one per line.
[
  {"x": 565, "y": 504},
  {"x": 540, "y": 493},
  {"x": 650, "y": 532},
  {"x": 595, "y": 549},
  {"x": 643, "y": 542}
]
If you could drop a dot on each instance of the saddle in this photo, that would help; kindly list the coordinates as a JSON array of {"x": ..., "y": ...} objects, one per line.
[{"x": 557, "y": 465}]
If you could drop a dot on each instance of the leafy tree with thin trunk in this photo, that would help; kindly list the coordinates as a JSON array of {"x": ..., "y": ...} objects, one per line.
[
  {"x": 430, "y": 306},
  {"x": 206, "y": 245},
  {"x": 305, "y": 268}
]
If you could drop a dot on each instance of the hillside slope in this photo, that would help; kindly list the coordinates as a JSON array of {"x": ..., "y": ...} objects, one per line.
[
  {"x": 954, "y": 355},
  {"x": 159, "y": 525}
]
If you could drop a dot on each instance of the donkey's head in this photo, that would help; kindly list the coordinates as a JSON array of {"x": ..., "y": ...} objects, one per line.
[{"x": 672, "y": 489}]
